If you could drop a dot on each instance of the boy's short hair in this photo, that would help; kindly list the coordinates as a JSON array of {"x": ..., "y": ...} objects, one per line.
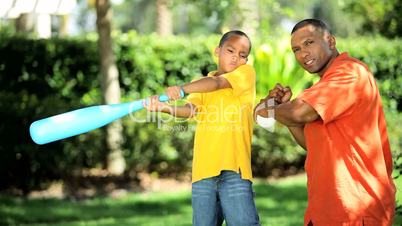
[
  {"x": 229, "y": 34},
  {"x": 314, "y": 22}
]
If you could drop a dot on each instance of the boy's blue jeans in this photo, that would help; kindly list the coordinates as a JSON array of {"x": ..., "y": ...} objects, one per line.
[{"x": 224, "y": 197}]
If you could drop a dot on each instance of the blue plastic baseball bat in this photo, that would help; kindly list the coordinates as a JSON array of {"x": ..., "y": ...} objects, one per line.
[{"x": 82, "y": 120}]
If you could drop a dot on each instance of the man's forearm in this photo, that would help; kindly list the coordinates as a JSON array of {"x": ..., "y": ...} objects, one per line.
[
  {"x": 295, "y": 113},
  {"x": 298, "y": 134},
  {"x": 285, "y": 114}
]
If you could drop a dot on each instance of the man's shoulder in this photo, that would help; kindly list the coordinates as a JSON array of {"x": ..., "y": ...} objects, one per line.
[{"x": 346, "y": 63}]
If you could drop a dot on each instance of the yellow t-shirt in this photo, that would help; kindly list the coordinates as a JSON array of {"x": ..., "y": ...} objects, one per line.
[{"x": 224, "y": 126}]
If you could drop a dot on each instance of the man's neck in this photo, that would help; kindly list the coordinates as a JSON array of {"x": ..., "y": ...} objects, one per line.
[{"x": 328, "y": 64}]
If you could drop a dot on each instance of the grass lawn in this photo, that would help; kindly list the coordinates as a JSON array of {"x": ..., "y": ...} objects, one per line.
[{"x": 279, "y": 203}]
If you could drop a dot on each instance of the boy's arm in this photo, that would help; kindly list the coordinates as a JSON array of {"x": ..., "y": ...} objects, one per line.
[
  {"x": 241, "y": 79},
  {"x": 208, "y": 84},
  {"x": 204, "y": 85},
  {"x": 186, "y": 111}
]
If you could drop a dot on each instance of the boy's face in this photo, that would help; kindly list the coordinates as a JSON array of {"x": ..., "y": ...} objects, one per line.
[{"x": 232, "y": 53}]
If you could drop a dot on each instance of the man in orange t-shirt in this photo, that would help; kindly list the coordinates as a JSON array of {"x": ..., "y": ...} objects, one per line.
[{"x": 341, "y": 124}]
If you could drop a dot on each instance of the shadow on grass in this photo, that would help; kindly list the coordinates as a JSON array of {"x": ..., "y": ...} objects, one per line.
[
  {"x": 51, "y": 211},
  {"x": 278, "y": 204}
]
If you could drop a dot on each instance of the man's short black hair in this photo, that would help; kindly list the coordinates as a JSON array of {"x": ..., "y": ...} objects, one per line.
[
  {"x": 229, "y": 34},
  {"x": 314, "y": 22}
]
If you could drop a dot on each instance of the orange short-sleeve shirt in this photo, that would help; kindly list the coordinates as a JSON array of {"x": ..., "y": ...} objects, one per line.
[{"x": 349, "y": 162}]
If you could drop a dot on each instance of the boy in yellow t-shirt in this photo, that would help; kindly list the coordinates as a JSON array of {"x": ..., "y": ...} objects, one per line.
[{"x": 222, "y": 104}]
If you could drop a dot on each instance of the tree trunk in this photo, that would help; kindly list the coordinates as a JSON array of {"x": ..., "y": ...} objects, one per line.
[
  {"x": 164, "y": 18},
  {"x": 182, "y": 24},
  {"x": 110, "y": 86},
  {"x": 250, "y": 17},
  {"x": 63, "y": 28},
  {"x": 23, "y": 23}
]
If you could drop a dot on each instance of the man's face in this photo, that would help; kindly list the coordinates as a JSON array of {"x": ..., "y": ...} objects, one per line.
[
  {"x": 313, "y": 49},
  {"x": 232, "y": 53}
]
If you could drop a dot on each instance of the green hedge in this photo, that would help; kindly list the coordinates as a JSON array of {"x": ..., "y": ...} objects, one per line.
[{"x": 39, "y": 78}]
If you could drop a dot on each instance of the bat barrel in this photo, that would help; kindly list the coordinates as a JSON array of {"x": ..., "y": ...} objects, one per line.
[
  {"x": 82, "y": 120},
  {"x": 79, "y": 121}
]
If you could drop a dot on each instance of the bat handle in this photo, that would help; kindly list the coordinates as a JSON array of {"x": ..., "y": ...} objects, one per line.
[{"x": 164, "y": 97}]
